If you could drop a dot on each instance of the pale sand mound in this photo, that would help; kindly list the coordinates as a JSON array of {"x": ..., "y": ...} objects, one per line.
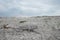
[{"x": 32, "y": 28}]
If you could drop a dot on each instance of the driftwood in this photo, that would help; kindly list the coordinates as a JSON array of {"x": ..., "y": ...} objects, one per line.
[
  {"x": 5, "y": 26},
  {"x": 22, "y": 28}
]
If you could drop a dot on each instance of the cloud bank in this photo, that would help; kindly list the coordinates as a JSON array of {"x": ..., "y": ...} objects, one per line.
[{"x": 29, "y": 7}]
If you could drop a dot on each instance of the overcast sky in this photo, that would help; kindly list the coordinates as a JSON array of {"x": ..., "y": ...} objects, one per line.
[{"x": 29, "y": 8}]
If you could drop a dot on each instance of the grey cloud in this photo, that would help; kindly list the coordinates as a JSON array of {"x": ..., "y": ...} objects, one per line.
[{"x": 29, "y": 7}]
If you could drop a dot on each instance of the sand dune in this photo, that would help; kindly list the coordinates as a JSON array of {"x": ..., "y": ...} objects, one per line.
[{"x": 30, "y": 28}]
